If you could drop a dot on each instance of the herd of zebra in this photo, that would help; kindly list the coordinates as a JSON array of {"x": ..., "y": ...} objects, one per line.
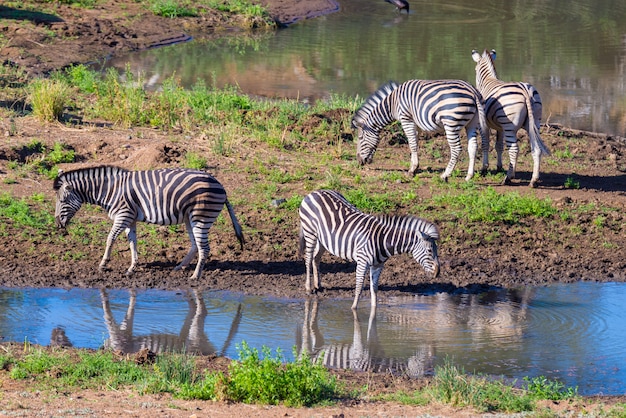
[{"x": 328, "y": 222}]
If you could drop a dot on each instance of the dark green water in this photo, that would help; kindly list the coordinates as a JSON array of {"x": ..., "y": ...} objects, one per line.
[{"x": 574, "y": 52}]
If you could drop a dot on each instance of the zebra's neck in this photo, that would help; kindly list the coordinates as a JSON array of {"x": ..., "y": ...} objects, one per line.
[
  {"x": 100, "y": 185},
  {"x": 486, "y": 73},
  {"x": 398, "y": 234}
]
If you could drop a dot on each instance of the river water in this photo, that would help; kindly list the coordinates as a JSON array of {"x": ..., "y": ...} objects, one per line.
[
  {"x": 575, "y": 333},
  {"x": 573, "y": 51}
]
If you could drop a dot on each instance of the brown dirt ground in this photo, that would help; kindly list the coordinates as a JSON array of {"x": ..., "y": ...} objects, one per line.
[{"x": 40, "y": 43}]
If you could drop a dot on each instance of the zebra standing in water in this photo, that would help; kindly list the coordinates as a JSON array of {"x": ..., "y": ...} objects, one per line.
[
  {"x": 328, "y": 222},
  {"x": 163, "y": 197},
  {"x": 509, "y": 106},
  {"x": 429, "y": 105}
]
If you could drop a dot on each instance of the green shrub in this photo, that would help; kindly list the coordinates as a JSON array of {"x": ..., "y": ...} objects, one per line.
[{"x": 48, "y": 98}]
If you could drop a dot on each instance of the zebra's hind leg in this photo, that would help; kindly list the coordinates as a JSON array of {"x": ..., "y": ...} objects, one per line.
[
  {"x": 454, "y": 142},
  {"x": 499, "y": 150},
  {"x": 513, "y": 152},
  {"x": 536, "y": 153},
  {"x": 317, "y": 258},
  {"x": 472, "y": 145},
  {"x": 201, "y": 234}
]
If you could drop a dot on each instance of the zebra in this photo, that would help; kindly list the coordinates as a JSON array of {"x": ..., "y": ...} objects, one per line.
[
  {"x": 163, "y": 197},
  {"x": 429, "y": 105},
  {"x": 328, "y": 222},
  {"x": 509, "y": 106}
]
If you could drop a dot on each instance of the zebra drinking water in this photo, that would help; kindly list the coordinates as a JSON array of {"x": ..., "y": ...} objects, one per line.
[
  {"x": 509, "y": 106},
  {"x": 328, "y": 222},
  {"x": 163, "y": 197},
  {"x": 429, "y": 105}
]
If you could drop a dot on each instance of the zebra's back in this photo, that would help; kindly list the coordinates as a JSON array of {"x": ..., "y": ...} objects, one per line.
[
  {"x": 435, "y": 103},
  {"x": 168, "y": 196}
]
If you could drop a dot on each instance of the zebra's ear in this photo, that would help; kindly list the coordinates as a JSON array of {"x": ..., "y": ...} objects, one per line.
[{"x": 475, "y": 55}]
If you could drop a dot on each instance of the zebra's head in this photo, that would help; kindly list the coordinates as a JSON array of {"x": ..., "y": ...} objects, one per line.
[
  {"x": 369, "y": 119},
  {"x": 425, "y": 249},
  {"x": 485, "y": 68},
  {"x": 67, "y": 203},
  {"x": 367, "y": 141}
]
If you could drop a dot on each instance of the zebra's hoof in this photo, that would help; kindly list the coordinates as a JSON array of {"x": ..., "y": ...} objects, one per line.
[
  {"x": 507, "y": 181},
  {"x": 533, "y": 184}
]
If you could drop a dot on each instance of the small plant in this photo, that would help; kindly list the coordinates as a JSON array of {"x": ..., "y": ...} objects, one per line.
[
  {"x": 195, "y": 161},
  {"x": 48, "y": 98},
  {"x": 571, "y": 183},
  {"x": 268, "y": 381},
  {"x": 542, "y": 388}
]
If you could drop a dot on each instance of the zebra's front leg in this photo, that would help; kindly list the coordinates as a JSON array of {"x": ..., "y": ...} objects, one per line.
[
  {"x": 410, "y": 130},
  {"x": 131, "y": 234},
  {"x": 113, "y": 234},
  {"x": 374, "y": 275},
  {"x": 192, "y": 251},
  {"x": 361, "y": 269},
  {"x": 513, "y": 152}
]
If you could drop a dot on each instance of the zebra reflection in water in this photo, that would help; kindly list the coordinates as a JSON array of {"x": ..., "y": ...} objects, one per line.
[
  {"x": 362, "y": 354},
  {"x": 191, "y": 339}
]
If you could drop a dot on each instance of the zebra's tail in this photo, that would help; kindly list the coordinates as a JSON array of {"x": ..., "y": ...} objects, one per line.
[
  {"x": 483, "y": 127},
  {"x": 533, "y": 128},
  {"x": 236, "y": 225},
  {"x": 301, "y": 244}
]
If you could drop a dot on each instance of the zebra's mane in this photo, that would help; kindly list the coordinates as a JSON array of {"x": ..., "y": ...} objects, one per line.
[
  {"x": 424, "y": 226},
  {"x": 372, "y": 102},
  {"x": 98, "y": 171},
  {"x": 489, "y": 61}
]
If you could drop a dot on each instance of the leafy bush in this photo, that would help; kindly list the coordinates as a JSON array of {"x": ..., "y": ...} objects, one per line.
[{"x": 48, "y": 98}]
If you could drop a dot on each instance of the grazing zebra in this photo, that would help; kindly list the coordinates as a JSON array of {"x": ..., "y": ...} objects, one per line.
[
  {"x": 163, "y": 197},
  {"x": 429, "y": 105},
  {"x": 509, "y": 106},
  {"x": 328, "y": 222}
]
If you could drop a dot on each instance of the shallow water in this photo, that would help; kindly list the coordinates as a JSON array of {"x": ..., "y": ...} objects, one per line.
[
  {"x": 573, "y": 51},
  {"x": 575, "y": 333}
]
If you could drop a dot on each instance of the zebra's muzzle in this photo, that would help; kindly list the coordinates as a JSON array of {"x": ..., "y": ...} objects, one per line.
[
  {"x": 59, "y": 223},
  {"x": 363, "y": 161},
  {"x": 436, "y": 271}
]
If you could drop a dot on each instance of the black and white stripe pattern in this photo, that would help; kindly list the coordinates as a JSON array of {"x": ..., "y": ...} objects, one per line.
[
  {"x": 509, "y": 106},
  {"x": 428, "y": 105},
  {"x": 163, "y": 197},
  {"x": 328, "y": 222}
]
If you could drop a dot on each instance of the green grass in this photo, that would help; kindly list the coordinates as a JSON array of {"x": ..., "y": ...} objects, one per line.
[
  {"x": 22, "y": 212},
  {"x": 487, "y": 205},
  {"x": 451, "y": 385},
  {"x": 266, "y": 378}
]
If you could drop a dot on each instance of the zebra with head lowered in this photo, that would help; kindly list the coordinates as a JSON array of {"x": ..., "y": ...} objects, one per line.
[
  {"x": 328, "y": 222},
  {"x": 163, "y": 197},
  {"x": 509, "y": 106},
  {"x": 428, "y": 105}
]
